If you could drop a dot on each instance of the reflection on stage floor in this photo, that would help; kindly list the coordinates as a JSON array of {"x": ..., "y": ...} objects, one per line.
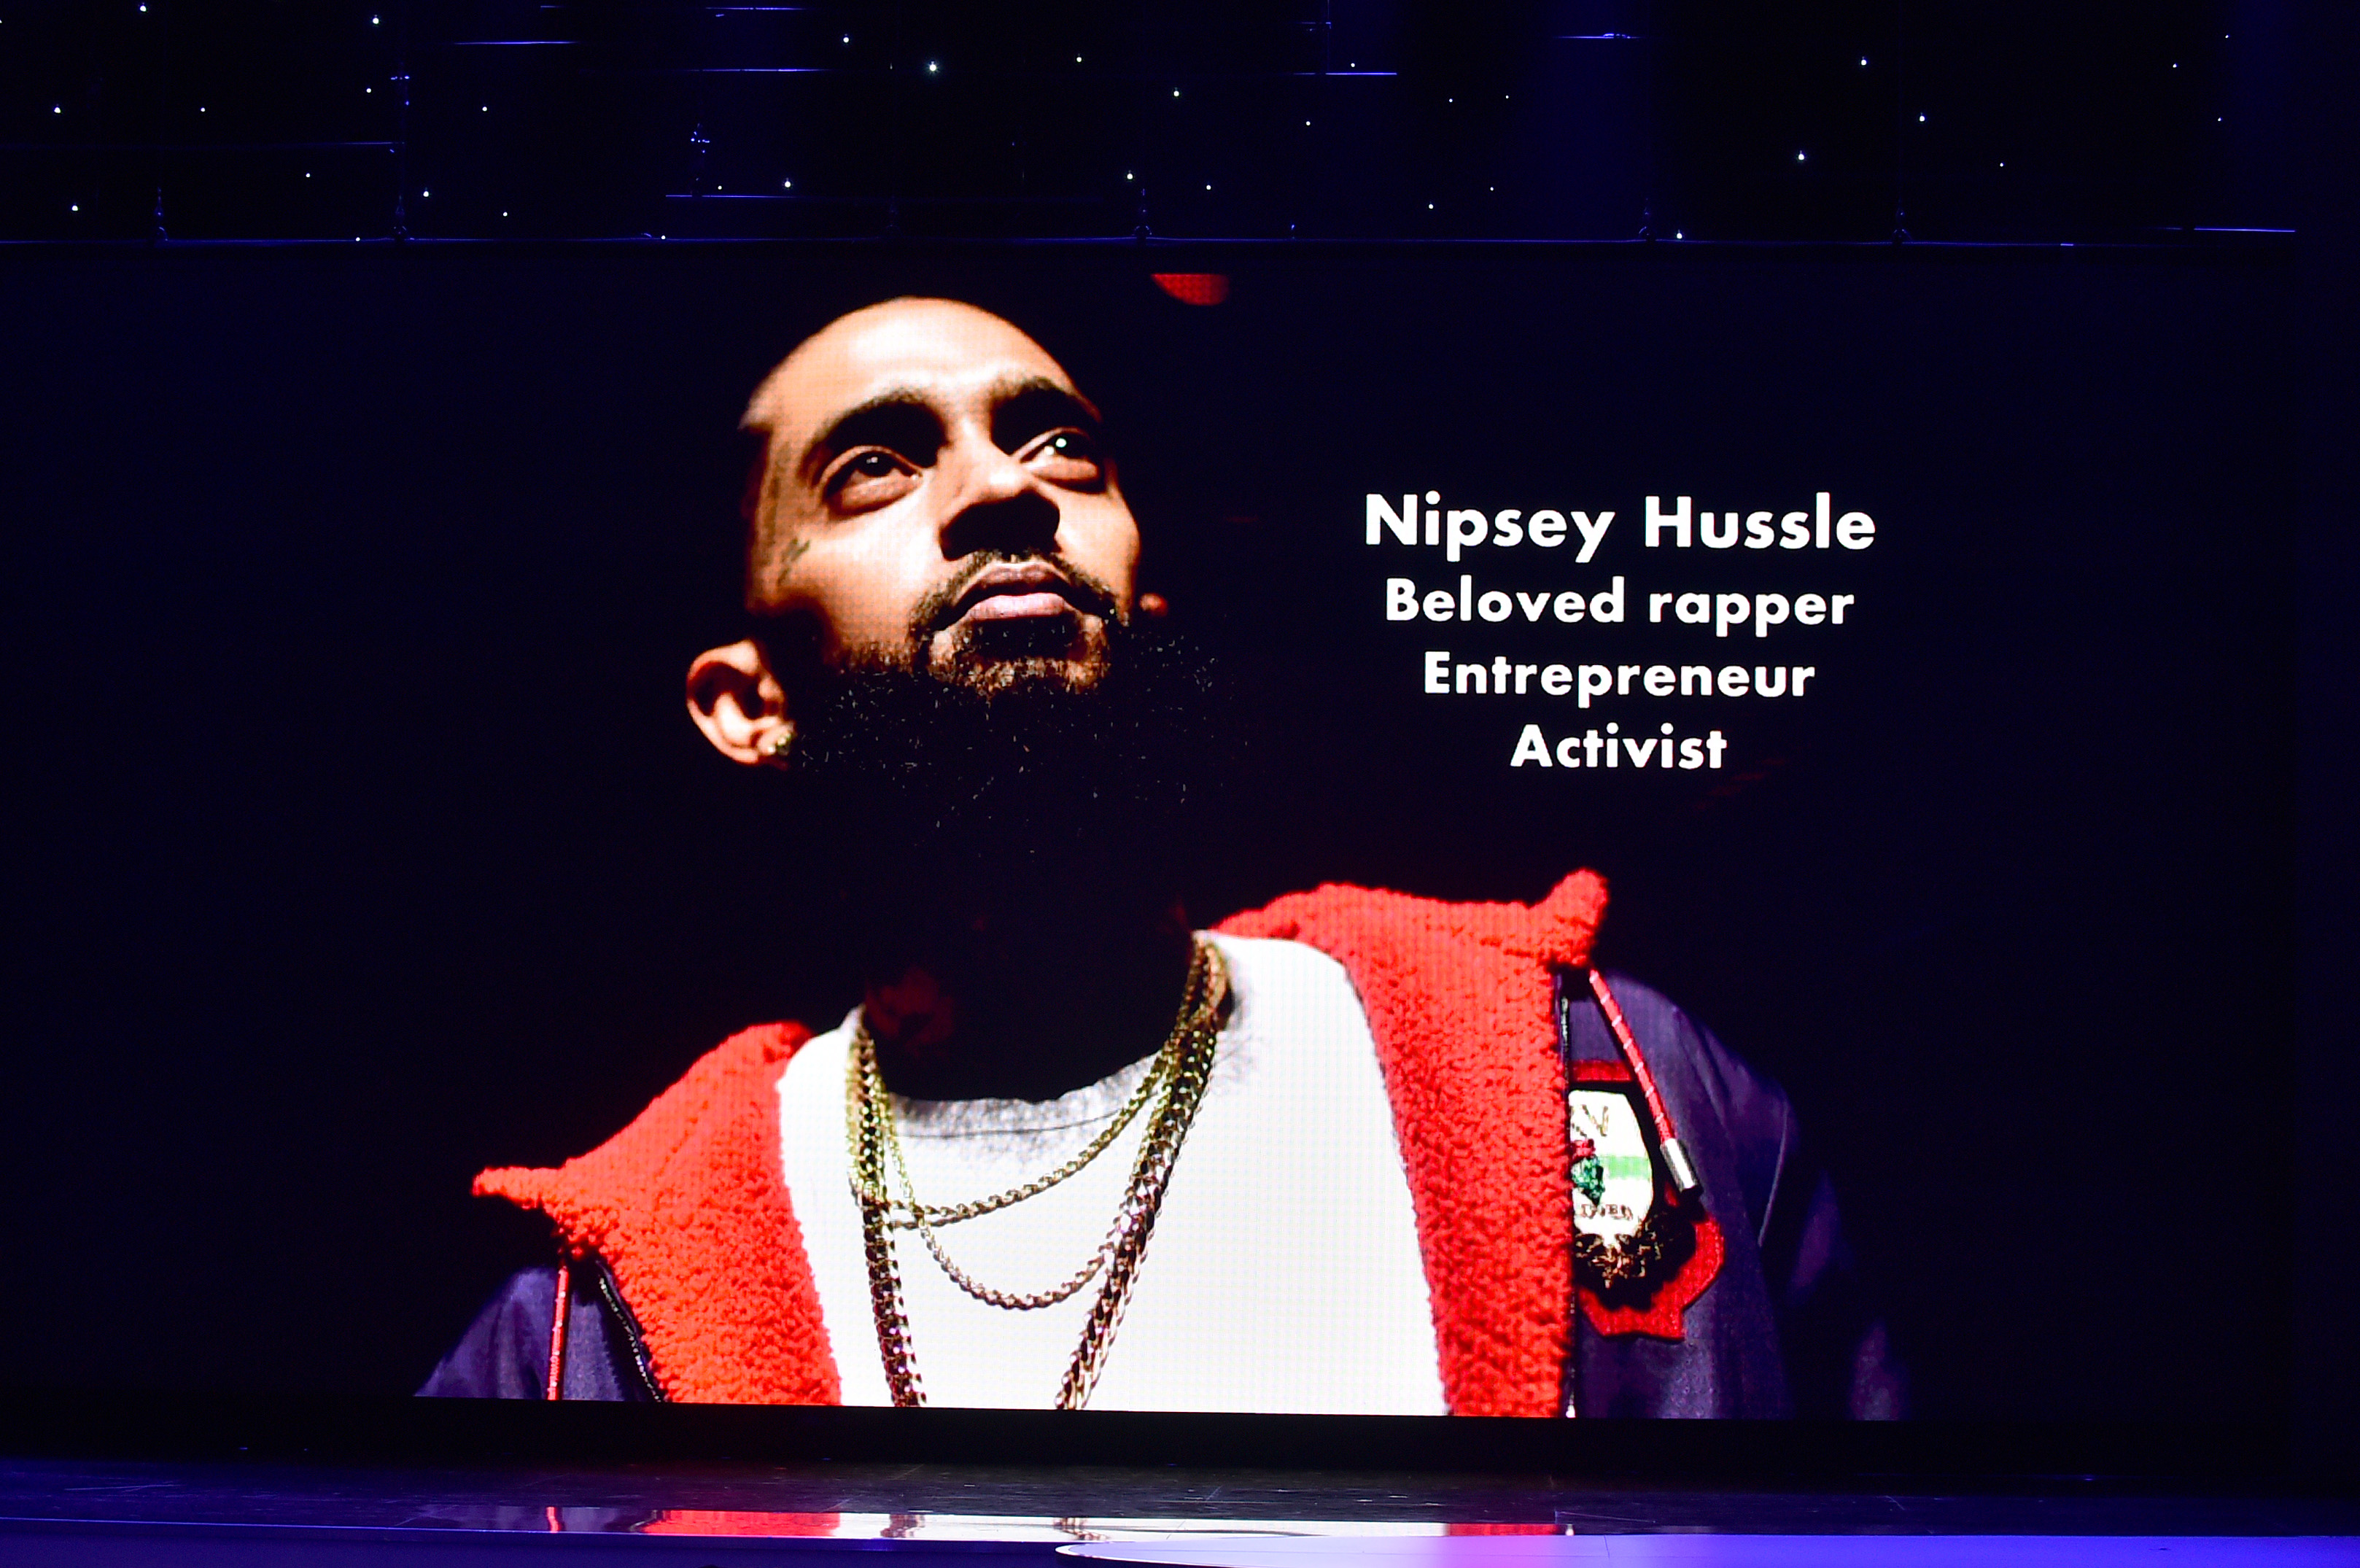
[{"x": 97, "y": 1515}]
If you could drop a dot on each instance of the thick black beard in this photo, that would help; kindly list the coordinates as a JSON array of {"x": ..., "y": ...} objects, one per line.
[{"x": 1040, "y": 797}]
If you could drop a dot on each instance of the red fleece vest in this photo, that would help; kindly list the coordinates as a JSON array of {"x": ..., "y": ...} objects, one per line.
[{"x": 689, "y": 1208}]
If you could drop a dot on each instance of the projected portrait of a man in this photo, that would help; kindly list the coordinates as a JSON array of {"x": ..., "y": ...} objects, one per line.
[{"x": 1355, "y": 1152}]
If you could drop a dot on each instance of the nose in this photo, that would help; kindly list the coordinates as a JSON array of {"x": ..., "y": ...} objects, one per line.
[{"x": 996, "y": 504}]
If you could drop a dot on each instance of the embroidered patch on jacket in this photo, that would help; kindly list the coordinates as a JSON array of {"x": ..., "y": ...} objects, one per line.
[
  {"x": 1641, "y": 1254},
  {"x": 1663, "y": 1315},
  {"x": 1614, "y": 1176}
]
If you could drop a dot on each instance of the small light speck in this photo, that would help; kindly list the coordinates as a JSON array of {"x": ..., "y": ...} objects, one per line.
[
  {"x": 373, "y": 21},
  {"x": 504, "y": 214},
  {"x": 1430, "y": 207},
  {"x": 1863, "y": 59},
  {"x": 932, "y": 66},
  {"x": 1078, "y": 59},
  {"x": 1921, "y": 119},
  {"x": 786, "y": 184},
  {"x": 1798, "y": 157},
  {"x": 77, "y": 206},
  {"x": 59, "y": 109},
  {"x": 487, "y": 108},
  {"x": 1208, "y": 187},
  {"x": 1678, "y": 235},
  {"x": 1175, "y": 92},
  {"x": 425, "y": 194},
  {"x": 307, "y": 174}
]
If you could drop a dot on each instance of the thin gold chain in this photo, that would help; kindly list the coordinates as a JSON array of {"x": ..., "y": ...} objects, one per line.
[
  {"x": 1194, "y": 1037},
  {"x": 911, "y": 1214},
  {"x": 959, "y": 1276},
  {"x": 919, "y": 1215}
]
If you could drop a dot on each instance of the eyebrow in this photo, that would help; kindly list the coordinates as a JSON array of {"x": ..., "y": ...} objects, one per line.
[
  {"x": 888, "y": 419},
  {"x": 898, "y": 415},
  {"x": 1036, "y": 403}
]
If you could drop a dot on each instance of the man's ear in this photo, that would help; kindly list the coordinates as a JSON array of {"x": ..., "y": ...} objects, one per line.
[{"x": 736, "y": 699}]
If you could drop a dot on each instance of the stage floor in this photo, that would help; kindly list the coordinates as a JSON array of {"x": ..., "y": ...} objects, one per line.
[{"x": 94, "y": 1514}]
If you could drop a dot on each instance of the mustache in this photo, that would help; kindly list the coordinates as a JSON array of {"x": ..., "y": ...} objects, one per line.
[{"x": 938, "y": 610}]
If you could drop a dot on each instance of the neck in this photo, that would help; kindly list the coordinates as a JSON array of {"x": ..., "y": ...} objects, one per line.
[{"x": 1005, "y": 1006}]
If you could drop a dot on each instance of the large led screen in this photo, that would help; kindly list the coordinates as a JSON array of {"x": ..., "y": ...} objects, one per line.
[{"x": 1538, "y": 832}]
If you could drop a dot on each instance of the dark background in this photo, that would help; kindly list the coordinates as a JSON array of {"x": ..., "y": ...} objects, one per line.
[
  {"x": 337, "y": 744},
  {"x": 362, "y": 841}
]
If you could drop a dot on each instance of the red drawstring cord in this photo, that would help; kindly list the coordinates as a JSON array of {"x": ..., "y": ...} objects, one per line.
[
  {"x": 556, "y": 1389},
  {"x": 1676, "y": 1157}
]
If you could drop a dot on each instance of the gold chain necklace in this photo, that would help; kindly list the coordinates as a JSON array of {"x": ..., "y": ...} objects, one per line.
[
  {"x": 1188, "y": 1051},
  {"x": 910, "y": 1214}
]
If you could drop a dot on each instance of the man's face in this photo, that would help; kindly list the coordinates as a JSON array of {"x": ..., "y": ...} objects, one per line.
[{"x": 936, "y": 497}]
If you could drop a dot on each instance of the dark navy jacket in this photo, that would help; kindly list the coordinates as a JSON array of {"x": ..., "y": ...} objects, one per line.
[{"x": 1784, "y": 1329}]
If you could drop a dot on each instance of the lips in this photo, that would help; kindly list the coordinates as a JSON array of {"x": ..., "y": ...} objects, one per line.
[
  {"x": 1016, "y": 591},
  {"x": 1016, "y": 606}
]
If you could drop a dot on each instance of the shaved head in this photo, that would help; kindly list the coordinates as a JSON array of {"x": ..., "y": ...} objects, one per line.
[
  {"x": 918, "y": 353},
  {"x": 910, "y": 447},
  {"x": 935, "y": 496}
]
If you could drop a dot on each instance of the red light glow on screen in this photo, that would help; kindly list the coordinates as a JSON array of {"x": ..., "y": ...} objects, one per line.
[{"x": 1195, "y": 288}]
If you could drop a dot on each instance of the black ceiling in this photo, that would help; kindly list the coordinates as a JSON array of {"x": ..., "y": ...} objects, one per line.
[{"x": 1999, "y": 119}]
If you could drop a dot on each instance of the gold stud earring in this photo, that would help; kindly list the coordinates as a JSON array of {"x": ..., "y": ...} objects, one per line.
[{"x": 776, "y": 750}]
